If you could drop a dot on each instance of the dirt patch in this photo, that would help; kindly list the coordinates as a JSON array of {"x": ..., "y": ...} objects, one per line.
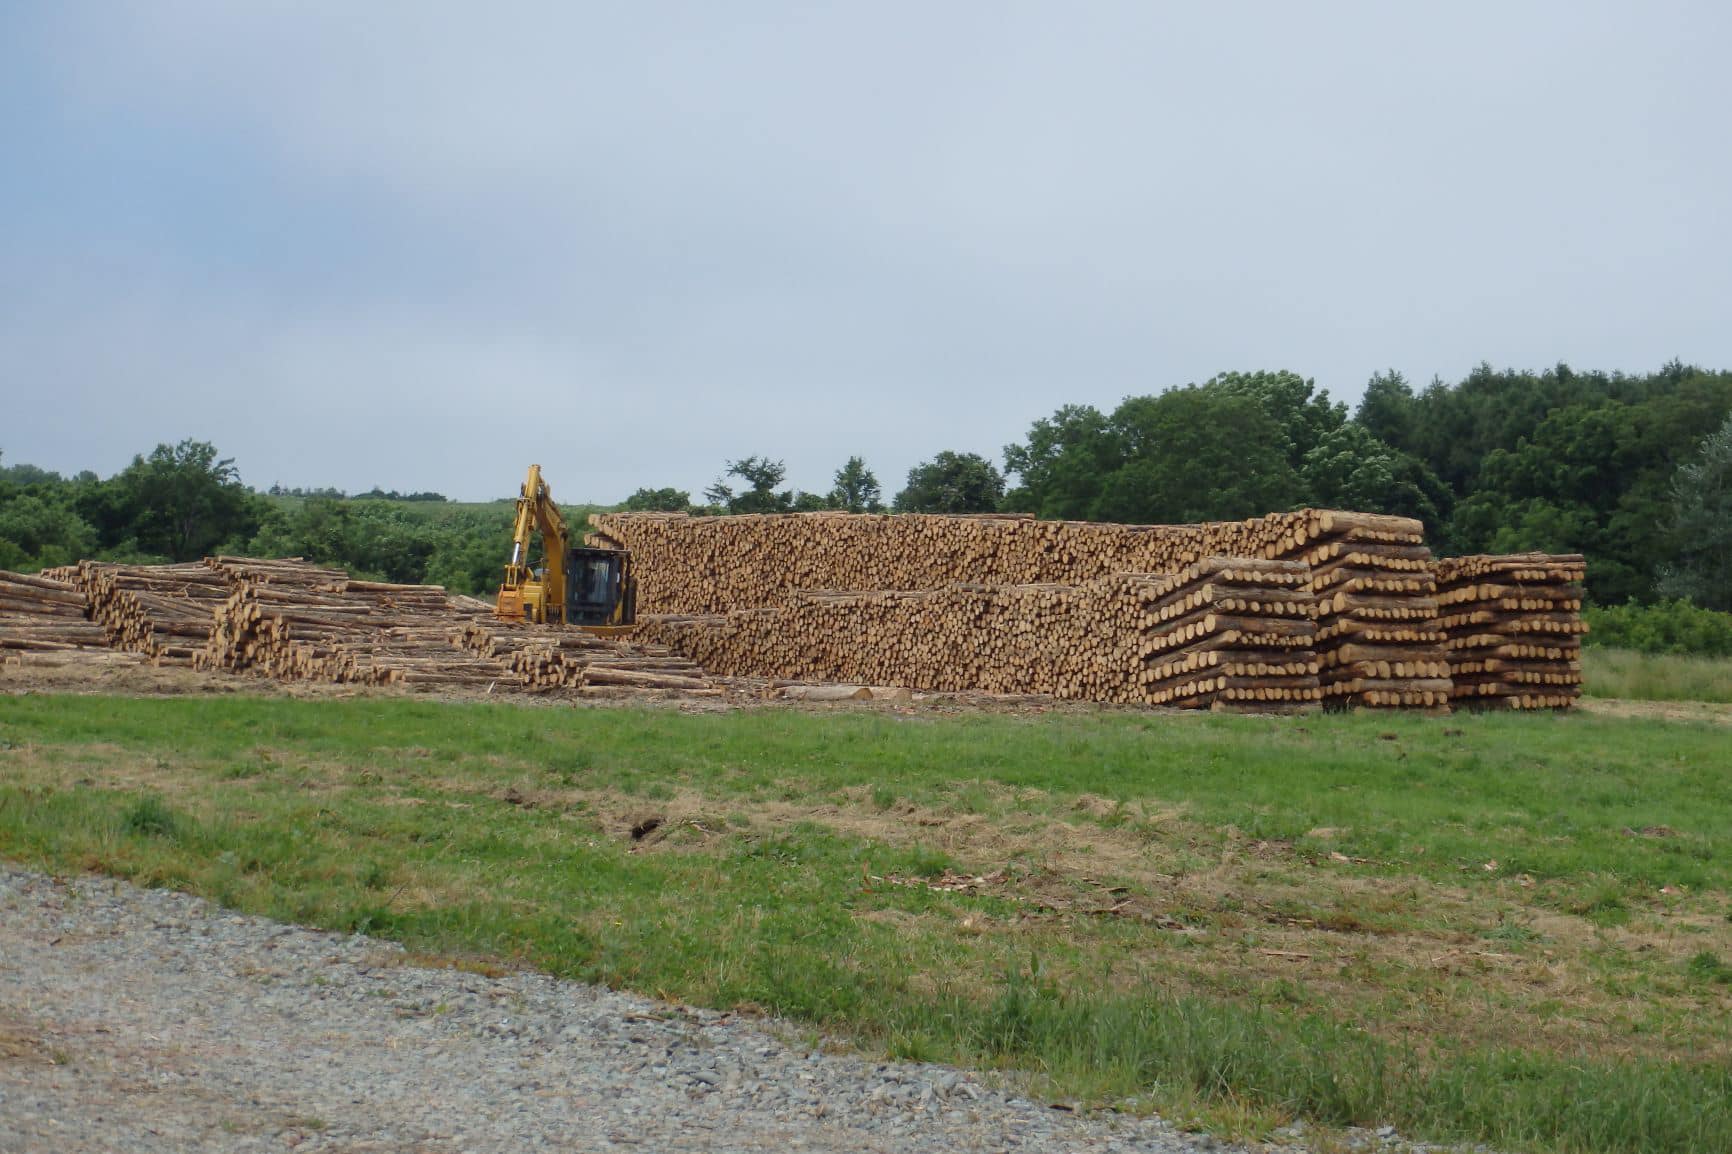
[
  {"x": 1657, "y": 710},
  {"x": 22, "y": 1042},
  {"x": 1224, "y": 915}
]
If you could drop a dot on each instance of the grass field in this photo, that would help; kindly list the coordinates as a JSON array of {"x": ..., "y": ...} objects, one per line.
[
  {"x": 1632, "y": 676},
  {"x": 1506, "y": 928}
]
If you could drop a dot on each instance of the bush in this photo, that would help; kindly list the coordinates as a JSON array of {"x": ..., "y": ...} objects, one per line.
[{"x": 1669, "y": 627}]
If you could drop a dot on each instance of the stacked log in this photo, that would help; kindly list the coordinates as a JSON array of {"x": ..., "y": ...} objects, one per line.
[
  {"x": 290, "y": 620},
  {"x": 1233, "y": 633},
  {"x": 1379, "y": 641},
  {"x": 703, "y": 565},
  {"x": 43, "y": 623},
  {"x": 1041, "y": 639},
  {"x": 161, "y": 611},
  {"x": 548, "y": 657},
  {"x": 254, "y": 582},
  {"x": 307, "y": 624},
  {"x": 1514, "y": 628},
  {"x": 1226, "y": 632}
]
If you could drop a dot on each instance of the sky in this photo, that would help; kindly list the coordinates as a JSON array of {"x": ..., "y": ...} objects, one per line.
[{"x": 421, "y": 245}]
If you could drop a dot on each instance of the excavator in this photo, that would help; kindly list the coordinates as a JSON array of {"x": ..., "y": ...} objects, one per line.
[{"x": 593, "y": 589}]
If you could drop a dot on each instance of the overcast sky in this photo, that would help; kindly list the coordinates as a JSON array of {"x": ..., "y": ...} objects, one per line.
[{"x": 421, "y": 245}]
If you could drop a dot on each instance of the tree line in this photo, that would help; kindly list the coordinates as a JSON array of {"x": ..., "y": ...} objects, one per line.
[
  {"x": 1635, "y": 471},
  {"x": 185, "y": 501}
]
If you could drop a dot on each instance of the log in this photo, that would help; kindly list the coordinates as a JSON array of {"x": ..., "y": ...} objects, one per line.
[{"x": 825, "y": 692}]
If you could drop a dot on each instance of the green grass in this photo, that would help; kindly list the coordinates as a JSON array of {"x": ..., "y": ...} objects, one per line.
[
  {"x": 1500, "y": 928},
  {"x": 1625, "y": 673}
]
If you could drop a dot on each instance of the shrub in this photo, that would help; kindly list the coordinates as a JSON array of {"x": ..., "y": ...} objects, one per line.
[{"x": 1669, "y": 627}]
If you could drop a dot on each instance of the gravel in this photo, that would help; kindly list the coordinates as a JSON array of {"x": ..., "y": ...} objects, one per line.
[{"x": 145, "y": 1020}]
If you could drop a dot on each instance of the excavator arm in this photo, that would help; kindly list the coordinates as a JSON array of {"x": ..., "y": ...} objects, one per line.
[
  {"x": 605, "y": 594},
  {"x": 526, "y": 594}
]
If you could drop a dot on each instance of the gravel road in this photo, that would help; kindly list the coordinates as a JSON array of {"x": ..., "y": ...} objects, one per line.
[{"x": 143, "y": 1020}]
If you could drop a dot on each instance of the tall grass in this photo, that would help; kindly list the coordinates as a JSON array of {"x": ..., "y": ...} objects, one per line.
[{"x": 1624, "y": 673}]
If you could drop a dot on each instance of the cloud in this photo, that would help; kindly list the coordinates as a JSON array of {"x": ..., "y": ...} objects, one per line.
[{"x": 419, "y": 245}]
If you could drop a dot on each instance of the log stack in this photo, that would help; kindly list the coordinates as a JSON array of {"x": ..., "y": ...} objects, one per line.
[
  {"x": 1233, "y": 633},
  {"x": 704, "y": 565},
  {"x": 1226, "y": 632},
  {"x": 163, "y": 612},
  {"x": 302, "y": 623},
  {"x": 544, "y": 657},
  {"x": 1514, "y": 628},
  {"x": 1037, "y": 639},
  {"x": 43, "y": 623},
  {"x": 1378, "y": 638}
]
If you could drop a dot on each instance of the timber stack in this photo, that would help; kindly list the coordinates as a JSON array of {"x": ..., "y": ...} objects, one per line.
[
  {"x": 543, "y": 657},
  {"x": 1228, "y": 632},
  {"x": 1514, "y": 628},
  {"x": 161, "y": 611},
  {"x": 1233, "y": 633},
  {"x": 1065, "y": 641},
  {"x": 297, "y": 622},
  {"x": 43, "y": 623},
  {"x": 703, "y": 565},
  {"x": 1378, "y": 637}
]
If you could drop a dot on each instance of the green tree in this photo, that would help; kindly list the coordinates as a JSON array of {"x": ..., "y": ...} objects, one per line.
[
  {"x": 658, "y": 501},
  {"x": 1703, "y": 529},
  {"x": 1200, "y": 453},
  {"x": 39, "y": 527},
  {"x": 1305, "y": 415},
  {"x": 1063, "y": 464},
  {"x": 26, "y": 474},
  {"x": 1388, "y": 409},
  {"x": 856, "y": 489},
  {"x": 181, "y": 502},
  {"x": 1352, "y": 468},
  {"x": 952, "y": 483},
  {"x": 761, "y": 476}
]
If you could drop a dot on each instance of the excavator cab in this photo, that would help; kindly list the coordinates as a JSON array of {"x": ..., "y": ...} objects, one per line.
[{"x": 600, "y": 590}]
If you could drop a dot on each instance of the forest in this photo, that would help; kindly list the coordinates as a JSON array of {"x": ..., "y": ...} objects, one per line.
[{"x": 1634, "y": 471}]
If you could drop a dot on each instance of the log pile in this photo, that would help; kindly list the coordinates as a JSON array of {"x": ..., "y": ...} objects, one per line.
[
  {"x": 1226, "y": 632},
  {"x": 297, "y": 622},
  {"x": 1378, "y": 637},
  {"x": 543, "y": 657},
  {"x": 1514, "y": 628},
  {"x": 704, "y": 565},
  {"x": 1037, "y": 639},
  {"x": 290, "y": 620},
  {"x": 1378, "y": 642},
  {"x": 43, "y": 623},
  {"x": 161, "y": 611},
  {"x": 1232, "y": 633}
]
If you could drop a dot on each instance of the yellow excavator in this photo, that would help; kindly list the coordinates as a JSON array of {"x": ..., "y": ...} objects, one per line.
[{"x": 593, "y": 589}]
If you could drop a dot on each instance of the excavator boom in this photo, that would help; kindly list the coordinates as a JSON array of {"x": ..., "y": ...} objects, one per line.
[{"x": 592, "y": 588}]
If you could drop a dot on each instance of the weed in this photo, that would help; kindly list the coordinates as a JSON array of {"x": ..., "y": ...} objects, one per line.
[
  {"x": 1622, "y": 673},
  {"x": 1603, "y": 905},
  {"x": 149, "y": 816},
  {"x": 1706, "y": 966},
  {"x": 1515, "y": 934}
]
